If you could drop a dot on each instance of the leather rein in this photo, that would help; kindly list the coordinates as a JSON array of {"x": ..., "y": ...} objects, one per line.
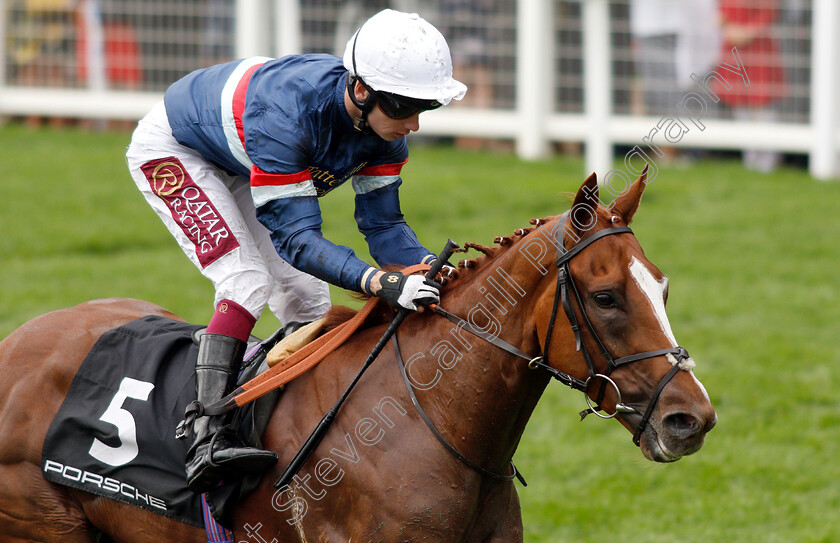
[{"x": 566, "y": 295}]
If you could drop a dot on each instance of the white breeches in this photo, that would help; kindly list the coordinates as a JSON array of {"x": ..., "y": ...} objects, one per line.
[{"x": 213, "y": 217}]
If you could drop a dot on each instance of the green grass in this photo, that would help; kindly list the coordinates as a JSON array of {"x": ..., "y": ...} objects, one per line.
[{"x": 753, "y": 265}]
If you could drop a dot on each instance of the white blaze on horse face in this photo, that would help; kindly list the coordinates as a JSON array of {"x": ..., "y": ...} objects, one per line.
[{"x": 655, "y": 292}]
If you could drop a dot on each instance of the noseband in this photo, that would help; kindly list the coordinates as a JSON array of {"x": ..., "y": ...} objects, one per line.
[{"x": 566, "y": 295}]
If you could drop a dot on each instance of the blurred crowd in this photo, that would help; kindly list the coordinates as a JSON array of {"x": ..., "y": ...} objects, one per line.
[{"x": 658, "y": 44}]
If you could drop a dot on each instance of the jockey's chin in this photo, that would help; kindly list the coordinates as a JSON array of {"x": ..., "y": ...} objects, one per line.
[{"x": 392, "y": 129}]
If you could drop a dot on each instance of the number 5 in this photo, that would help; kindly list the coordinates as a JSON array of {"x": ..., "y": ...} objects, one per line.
[{"x": 122, "y": 419}]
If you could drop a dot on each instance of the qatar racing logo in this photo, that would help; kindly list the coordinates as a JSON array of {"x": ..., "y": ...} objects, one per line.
[
  {"x": 166, "y": 178},
  {"x": 191, "y": 209}
]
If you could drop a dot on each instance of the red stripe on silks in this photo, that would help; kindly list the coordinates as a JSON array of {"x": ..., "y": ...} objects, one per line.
[
  {"x": 384, "y": 169},
  {"x": 239, "y": 101},
  {"x": 260, "y": 178}
]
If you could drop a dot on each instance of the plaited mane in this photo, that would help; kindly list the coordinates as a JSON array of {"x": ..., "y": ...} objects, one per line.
[
  {"x": 339, "y": 314},
  {"x": 488, "y": 254}
]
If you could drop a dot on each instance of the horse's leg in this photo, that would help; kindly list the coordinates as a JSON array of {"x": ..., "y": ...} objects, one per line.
[
  {"x": 34, "y": 510},
  {"x": 508, "y": 520},
  {"x": 126, "y": 523}
]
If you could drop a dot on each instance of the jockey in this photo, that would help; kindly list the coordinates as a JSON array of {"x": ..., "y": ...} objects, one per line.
[{"x": 234, "y": 160}]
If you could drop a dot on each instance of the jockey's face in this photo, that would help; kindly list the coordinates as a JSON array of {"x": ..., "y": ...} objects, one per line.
[
  {"x": 392, "y": 129},
  {"x": 384, "y": 126}
]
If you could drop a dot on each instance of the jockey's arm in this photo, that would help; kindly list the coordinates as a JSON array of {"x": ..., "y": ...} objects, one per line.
[
  {"x": 295, "y": 226},
  {"x": 287, "y": 205},
  {"x": 390, "y": 240}
]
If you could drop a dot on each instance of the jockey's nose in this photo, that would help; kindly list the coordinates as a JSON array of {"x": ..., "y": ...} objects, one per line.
[{"x": 413, "y": 123}]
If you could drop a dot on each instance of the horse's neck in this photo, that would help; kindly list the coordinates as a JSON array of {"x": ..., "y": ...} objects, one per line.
[{"x": 479, "y": 396}]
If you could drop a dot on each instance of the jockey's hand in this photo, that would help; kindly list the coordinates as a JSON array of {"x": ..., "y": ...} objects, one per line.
[{"x": 407, "y": 291}]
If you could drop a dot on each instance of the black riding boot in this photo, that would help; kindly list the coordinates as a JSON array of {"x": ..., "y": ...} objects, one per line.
[{"x": 217, "y": 453}]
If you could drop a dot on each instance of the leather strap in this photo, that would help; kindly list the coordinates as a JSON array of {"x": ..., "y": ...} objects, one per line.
[
  {"x": 637, "y": 435},
  {"x": 679, "y": 353},
  {"x": 533, "y": 362},
  {"x": 301, "y": 361},
  {"x": 490, "y": 338},
  {"x": 448, "y": 446}
]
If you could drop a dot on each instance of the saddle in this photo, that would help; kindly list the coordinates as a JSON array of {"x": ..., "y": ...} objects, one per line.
[
  {"x": 145, "y": 370},
  {"x": 114, "y": 434}
]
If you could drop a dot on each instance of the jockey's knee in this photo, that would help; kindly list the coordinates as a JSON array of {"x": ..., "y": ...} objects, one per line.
[
  {"x": 251, "y": 289},
  {"x": 303, "y": 300}
]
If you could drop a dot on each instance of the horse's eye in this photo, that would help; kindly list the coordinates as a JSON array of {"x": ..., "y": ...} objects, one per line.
[{"x": 604, "y": 300}]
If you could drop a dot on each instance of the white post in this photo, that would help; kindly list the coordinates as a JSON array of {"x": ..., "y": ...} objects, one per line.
[
  {"x": 287, "y": 33},
  {"x": 95, "y": 46},
  {"x": 825, "y": 89},
  {"x": 533, "y": 87},
  {"x": 597, "y": 85},
  {"x": 3, "y": 58},
  {"x": 252, "y": 24}
]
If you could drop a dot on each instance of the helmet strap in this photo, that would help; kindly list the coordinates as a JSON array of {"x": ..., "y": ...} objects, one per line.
[
  {"x": 365, "y": 107},
  {"x": 370, "y": 101}
]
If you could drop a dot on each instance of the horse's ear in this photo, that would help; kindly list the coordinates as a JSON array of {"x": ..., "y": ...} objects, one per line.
[
  {"x": 628, "y": 202},
  {"x": 583, "y": 212}
]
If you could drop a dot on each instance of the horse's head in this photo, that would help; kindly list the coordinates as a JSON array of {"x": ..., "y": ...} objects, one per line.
[{"x": 623, "y": 352}]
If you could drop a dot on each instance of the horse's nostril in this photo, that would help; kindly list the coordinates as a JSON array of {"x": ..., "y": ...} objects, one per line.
[{"x": 682, "y": 424}]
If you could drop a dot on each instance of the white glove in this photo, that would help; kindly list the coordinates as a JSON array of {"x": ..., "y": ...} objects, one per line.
[{"x": 408, "y": 291}]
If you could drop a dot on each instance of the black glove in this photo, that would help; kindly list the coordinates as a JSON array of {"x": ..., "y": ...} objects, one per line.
[{"x": 408, "y": 291}]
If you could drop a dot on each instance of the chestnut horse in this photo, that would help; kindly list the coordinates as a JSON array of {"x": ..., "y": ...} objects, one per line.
[{"x": 589, "y": 311}]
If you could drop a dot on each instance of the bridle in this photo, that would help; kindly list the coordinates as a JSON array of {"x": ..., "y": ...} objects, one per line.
[
  {"x": 565, "y": 285},
  {"x": 567, "y": 295}
]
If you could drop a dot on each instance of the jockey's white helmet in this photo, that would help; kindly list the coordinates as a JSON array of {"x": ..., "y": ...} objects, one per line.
[{"x": 403, "y": 54}]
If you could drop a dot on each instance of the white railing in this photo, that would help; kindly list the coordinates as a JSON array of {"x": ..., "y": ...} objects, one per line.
[{"x": 530, "y": 118}]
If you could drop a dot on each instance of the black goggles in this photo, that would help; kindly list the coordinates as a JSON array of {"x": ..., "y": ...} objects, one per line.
[{"x": 400, "y": 107}]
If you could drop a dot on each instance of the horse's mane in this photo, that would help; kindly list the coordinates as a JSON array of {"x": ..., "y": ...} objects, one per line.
[
  {"x": 501, "y": 244},
  {"x": 465, "y": 268}
]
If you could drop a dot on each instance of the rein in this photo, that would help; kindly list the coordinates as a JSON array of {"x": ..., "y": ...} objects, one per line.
[
  {"x": 566, "y": 296},
  {"x": 451, "y": 448},
  {"x": 296, "y": 363}
]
